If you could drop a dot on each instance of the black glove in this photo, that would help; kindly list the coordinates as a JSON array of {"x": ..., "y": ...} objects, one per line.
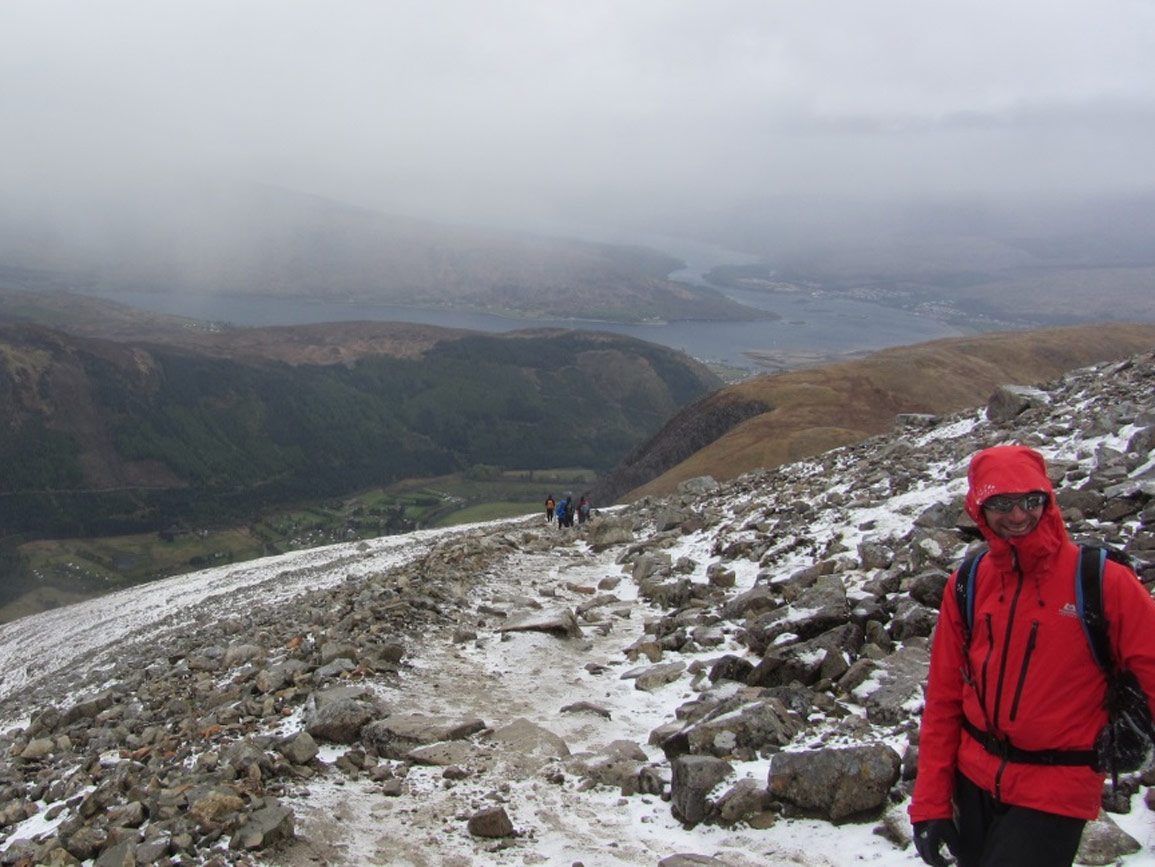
[{"x": 929, "y": 837}]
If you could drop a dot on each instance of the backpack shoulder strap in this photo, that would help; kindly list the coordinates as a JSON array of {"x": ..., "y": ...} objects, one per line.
[
  {"x": 1089, "y": 597},
  {"x": 964, "y": 591}
]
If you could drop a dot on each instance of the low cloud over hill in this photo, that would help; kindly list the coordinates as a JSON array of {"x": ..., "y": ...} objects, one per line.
[{"x": 269, "y": 243}]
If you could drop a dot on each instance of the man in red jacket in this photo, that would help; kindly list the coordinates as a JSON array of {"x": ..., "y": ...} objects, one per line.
[{"x": 1027, "y": 682}]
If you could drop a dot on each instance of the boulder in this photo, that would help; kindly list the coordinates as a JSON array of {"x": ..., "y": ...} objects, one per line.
[
  {"x": 560, "y": 622},
  {"x": 394, "y": 736},
  {"x": 693, "y": 779},
  {"x": 837, "y": 784}
]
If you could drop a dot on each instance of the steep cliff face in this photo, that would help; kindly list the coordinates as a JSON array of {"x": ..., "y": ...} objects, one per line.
[{"x": 806, "y": 412}]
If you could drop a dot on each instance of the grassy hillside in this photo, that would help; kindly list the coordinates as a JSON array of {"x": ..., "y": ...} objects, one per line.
[
  {"x": 102, "y": 437},
  {"x": 788, "y": 416}
]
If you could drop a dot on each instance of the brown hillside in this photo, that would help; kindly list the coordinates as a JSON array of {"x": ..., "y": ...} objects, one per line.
[{"x": 811, "y": 411}]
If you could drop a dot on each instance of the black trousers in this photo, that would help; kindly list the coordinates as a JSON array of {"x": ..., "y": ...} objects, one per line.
[{"x": 1001, "y": 835}]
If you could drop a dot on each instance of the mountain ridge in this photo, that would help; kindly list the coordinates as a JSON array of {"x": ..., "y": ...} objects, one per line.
[
  {"x": 773, "y": 419},
  {"x": 110, "y": 437}
]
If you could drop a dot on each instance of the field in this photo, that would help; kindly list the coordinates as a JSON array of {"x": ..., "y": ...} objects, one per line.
[{"x": 67, "y": 570}]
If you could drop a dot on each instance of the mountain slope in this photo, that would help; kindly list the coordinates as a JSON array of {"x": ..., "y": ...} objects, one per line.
[
  {"x": 671, "y": 679},
  {"x": 106, "y": 436},
  {"x": 770, "y": 420}
]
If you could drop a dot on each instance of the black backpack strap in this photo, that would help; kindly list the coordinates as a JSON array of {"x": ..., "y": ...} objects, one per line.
[
  {"x": 964, "y": 592},
  {"x": 1089, "y": 597},
  {"x": 1007, "y": 751}
]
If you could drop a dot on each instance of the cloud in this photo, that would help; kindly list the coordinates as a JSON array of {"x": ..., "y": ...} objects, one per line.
[{"x": 529, "y": 110}]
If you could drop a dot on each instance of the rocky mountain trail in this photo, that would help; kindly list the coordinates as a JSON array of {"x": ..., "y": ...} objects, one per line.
[{"x": 730, "y": 675}]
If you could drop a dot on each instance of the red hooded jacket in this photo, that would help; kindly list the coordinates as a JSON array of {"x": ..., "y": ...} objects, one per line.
[{"x": 1028, "y": 659}]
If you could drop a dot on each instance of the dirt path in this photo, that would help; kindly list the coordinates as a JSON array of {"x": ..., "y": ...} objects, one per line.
[{"x": 501, "y": 679}]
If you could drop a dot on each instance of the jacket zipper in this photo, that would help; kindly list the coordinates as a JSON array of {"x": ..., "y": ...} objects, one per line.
[
  {"x": 1007, "y": 644},
  {"x": 1023, "y": 673},
  {"x": 981, "y": 686},
  {"x": 999, "y": 780},
  {"x": 1003, "y": 667}
]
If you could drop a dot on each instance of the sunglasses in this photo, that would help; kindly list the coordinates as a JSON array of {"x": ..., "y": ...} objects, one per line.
[{"x": 1002, "y": 503}]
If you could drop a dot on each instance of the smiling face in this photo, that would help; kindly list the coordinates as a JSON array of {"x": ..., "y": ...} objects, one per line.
[{"x": 1019, "y": 520}]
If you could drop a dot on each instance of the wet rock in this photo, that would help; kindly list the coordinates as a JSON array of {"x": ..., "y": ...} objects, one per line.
[
  {"x": 737, "y": 727},
  {"x": 339, "y": 715},
  {"x": 562, "y": 623},
  {"x": 693, "y": 780},
  {"x": 492, "y": 823},
  {"x": 836, "y": 783},
  {"x": 656, "y": 676},
  {"x": 300, "y": 749},
  {"x": 1104, "y": 843},
  {"x": 1011, "y": 401},
  {"x": 264, "y": 828},
  {"x": 744, "y": 802},
  {"x": 394, "y": 736}
]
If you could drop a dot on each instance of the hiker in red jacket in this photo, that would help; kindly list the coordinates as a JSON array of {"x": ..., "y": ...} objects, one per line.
[{"x": 1010, "y": 720}]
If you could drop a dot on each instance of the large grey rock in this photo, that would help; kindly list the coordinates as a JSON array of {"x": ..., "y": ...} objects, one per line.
[
  {"x": 527, "y": 745},
  {"x": 818, "y": 609},
  {"x": 825, "y": 657},
  {"x": 491, "y": 822},
  {"x": 745, "y": 729},
  {"x": 746, "y": 801},
  {"x": 561, "y": 622},
  {"x": 340, "y": 721},
  {"x": 837, "y": 783},
  {"x": 265, "y": 827},
  {"x": 394, "y": 736},
  {"x": 300, "y": 749},
  {"x": 1104, "y": 843},
  {"x": 608, "y": 531},
  {"x": 1010, "y": 401},
  {"x": 897, "y": 684},
  {"x": 693, "y": 779},
  {"x": 655, "y": 676}
]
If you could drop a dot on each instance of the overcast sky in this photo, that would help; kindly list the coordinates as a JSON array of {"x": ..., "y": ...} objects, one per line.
[{"x": 545, "y": 109}]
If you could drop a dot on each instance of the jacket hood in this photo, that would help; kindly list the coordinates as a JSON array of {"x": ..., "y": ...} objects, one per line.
[{"x": 1014, "y": 470}]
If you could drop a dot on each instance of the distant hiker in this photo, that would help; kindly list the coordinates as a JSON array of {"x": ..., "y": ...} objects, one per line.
[
  {"x": 583, "y": 509},
  {"x": 1016, "y": 703},
  {"x": 559, "y": 512},
  {"x": 550, "y": 505}
]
